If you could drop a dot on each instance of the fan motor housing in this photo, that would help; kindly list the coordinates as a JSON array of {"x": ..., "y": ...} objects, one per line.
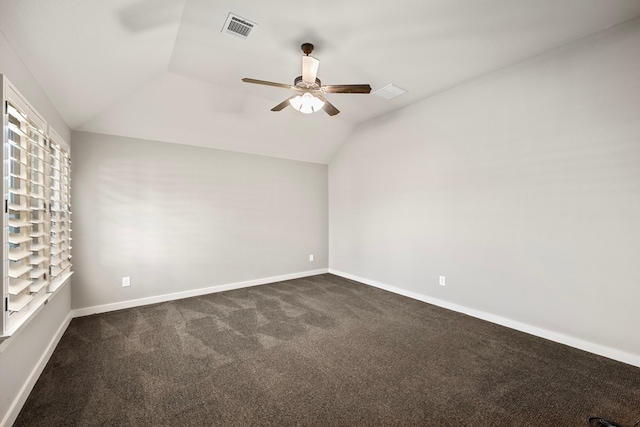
[{"x": 299, "y": 83}]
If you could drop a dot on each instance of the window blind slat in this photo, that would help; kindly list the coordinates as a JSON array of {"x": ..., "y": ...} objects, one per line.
[
  {"x": 16, "y": 271},
  {"x": 18, "y": 254},
  {"x": 38, "y": 285},
  {"x": 37, "y": 272},
  {"x": 16, "y": 239},
  {"x": 18, "y": 285},
  {"x": 18, "y": 302},
  {"x": 37, "y": 259},
  {"x": 18, "y": 223},
  {"x": 35, "y": 247}
]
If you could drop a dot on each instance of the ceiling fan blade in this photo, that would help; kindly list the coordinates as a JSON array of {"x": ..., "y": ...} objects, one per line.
[
  {"x": 309, "y": 69},
  {"x": 347, "y": 88},
  {"x": 266, "y": 83},
  {"x": 283, "y": 104},
  {"x": 328, "y": 107}
]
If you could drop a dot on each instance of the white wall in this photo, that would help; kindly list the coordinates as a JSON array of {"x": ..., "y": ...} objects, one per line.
[
  {"x": 521, "y": 187},
  {"x": 23, "y": 356},
  {"x": 178, "y": 218}
]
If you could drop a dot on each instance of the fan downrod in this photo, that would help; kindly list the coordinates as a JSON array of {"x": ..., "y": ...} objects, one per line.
[{"x": 307, "y": 48}]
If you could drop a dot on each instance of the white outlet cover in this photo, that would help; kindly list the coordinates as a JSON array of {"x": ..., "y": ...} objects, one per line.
[
  {"x": 311, "y": 257},
  {"x": 442, "y": 281},
  {"x": 126, "y": 281}
]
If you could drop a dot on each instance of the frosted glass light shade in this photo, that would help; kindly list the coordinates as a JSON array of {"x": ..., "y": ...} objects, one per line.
[
  {"x": 306, "y": 103},
  {"x": 309, "y": 69}
]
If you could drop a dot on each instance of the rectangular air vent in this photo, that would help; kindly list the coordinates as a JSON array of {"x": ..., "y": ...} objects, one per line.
[
  {"x": 389, "y": 92},
  {"x": 238, "y": 26}
]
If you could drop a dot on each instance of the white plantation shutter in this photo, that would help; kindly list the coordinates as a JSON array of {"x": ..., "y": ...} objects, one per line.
[
  {"x": 37, "y": 210},
  {"x": 18, "y": 210},
  {"x": 60, "y": 214}
]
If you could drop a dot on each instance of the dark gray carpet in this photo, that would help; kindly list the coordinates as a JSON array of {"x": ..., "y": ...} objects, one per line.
[{"x": 318, "y": 351}]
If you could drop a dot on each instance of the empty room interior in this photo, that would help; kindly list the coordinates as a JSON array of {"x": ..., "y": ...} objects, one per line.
[{"x": 320, "y": 213}]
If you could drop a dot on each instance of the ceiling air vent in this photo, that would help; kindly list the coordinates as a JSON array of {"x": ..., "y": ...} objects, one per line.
[
  {"x": 238, "y": 26},
  {"x": 389, "y": 92}
]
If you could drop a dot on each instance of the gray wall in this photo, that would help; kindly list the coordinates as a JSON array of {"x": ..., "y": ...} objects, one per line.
[
  {"x": 521, "y": 187},
  {"x": 23, "y": 355},
  {"x": 177, "y": 218}
]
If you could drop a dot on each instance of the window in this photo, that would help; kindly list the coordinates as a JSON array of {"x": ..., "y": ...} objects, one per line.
[{"x": 37, "y": 216}]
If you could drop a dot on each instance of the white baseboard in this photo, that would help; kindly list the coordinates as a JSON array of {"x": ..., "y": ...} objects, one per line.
[
  {"x": 16, "y": 406},
  {"x": 79, "y": 312},
  {"x": 611, "y": 353}
]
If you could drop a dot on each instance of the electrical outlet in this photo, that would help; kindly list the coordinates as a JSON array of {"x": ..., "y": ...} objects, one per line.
[
  {"x": 442, "y": 281},
  {"x": 126, "y": 281},
  {"x": 311, "y": 258}
]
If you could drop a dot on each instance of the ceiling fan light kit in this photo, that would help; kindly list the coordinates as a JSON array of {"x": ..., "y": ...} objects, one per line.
[
  {"x": 311, "y": 91},
  {"x": 306, "y": 103}
]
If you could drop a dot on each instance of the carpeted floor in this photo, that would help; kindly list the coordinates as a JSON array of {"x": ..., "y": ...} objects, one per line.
[{"x": 318, "y": 351}]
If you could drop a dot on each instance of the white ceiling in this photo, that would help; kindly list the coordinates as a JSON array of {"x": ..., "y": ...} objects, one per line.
[{"x": 164, "y": 70}]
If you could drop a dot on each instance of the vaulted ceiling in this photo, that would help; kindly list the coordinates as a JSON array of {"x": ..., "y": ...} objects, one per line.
[{"x": 164, "y": 69}]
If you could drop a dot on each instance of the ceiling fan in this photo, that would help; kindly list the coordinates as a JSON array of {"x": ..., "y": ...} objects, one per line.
[{"x": 310, "y": 91}]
